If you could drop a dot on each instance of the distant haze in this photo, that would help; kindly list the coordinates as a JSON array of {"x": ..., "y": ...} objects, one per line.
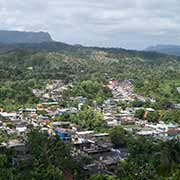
[
  {"x": 132, "y": 24},
  {"x": 165, "y": 49},
  {"x": 11, "y": 37}
]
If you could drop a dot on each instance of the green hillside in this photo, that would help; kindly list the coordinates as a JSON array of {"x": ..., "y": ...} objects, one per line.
[{"x": 150, "y": 72}]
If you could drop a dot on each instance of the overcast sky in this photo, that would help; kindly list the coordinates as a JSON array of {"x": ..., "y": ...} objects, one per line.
[{"x": 133, "y": 24}]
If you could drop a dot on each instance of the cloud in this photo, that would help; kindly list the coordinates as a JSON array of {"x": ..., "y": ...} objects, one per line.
[{"x": 122, "y": 23}]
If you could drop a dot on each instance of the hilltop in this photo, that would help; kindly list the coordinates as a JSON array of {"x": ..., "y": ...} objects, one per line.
[
  {"x": 12, "y": 37},
  {"x": 166, "y": 49}
]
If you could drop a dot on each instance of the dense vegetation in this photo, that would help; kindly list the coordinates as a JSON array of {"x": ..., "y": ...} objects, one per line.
[
  {"x": 88, "y": 119},
  {"x": 154, "y": 75},
  {"x": 50, "y": 160},
  {"x": 148, "y": 159},
  {"x": 14, "y": 94},
  {"x": 93, "y": 89}
]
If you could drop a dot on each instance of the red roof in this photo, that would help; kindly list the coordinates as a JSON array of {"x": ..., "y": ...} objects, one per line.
[{"x": 174, "y": 131}]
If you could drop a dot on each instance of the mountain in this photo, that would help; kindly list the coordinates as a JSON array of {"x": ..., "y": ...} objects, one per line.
[
  {"x": 13, "y": 37},
  {"x": 12, "y": 41},
  {"x": 165, "y": 49},
  {"x": 61, "y": 47}
]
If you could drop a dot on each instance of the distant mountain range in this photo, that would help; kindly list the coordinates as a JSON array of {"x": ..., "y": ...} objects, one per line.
[
  {"x": 42, "y": 42},
  {"x": 11, "y": 41},
  {"x": 13, "y": 37},
  {"x": 165, "y": 49}
]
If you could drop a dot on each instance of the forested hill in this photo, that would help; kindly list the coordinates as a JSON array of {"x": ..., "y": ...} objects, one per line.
[
  {"x": 153, "y": 74},
  {"x": 58, "y": 60},
  {"x": 60, "y": 47}
]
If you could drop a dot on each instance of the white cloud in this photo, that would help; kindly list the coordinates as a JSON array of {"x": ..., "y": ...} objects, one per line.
[{"x": 123, "y": 23}]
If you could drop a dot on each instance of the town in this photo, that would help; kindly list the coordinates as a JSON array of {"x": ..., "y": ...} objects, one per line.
[
  {"x": 51, "y": 116},
  {"x": 89, "y": 90}
]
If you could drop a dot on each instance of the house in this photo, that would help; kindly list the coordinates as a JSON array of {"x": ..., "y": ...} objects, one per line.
[
  {"x": 43, "y": 120},
  {"x": 79, "y": 99},
  {"x": 173, "y": 133},
  {"x": 21, "y": 128},
  {"x": 61, "y": 111},
  {"x": 6, "y": 115},
  {"x": 64, "y": 134},
  {"x": 113, "y": 123},
  {"x": 27, "y": 110},
  {"x": 81, "y": 138},
  {"x": 178, "y": 89},
  {"x": 177, "y": 106},
  {"x": 61, "y": 124},
  {"x": 1, "y": 110},
  {"x": 11, "y": 131},
  {"x": 16, "y": 144},
  {"x": 147, "y": 132},
  {"x": 112, "y": 84},
  {"x": 98, "y": 151},
  {"x": 127, "y": 85},
  {"x": 21, "y": 152},
  {"x": 72, "y": 110},
  {"x": 166, "y": 127},
  {"x": 149, "y": 109},
  {"x": 38, "y": 92},
  {"x": 108, "y": 116}
]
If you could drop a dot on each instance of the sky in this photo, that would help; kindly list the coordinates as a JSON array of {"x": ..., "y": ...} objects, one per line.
[{"x": 131, "y": 24}]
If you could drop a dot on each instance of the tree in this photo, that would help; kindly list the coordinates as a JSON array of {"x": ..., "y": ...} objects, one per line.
[
  {"x": 6, "y": 172},
  {"x": 101, "y": 177},
  {"x": 51, "y": 156},
  {"x": 153, "y": 116},
  {"x": 137, "y": 103},
  {"x": 122, "y": 104},
  {"x": 140, "y": 114},
  {"x": 92, "y": 89},
  {"x": 88, "y": 118},
  {"x": 171, "y": 116},
  {"x": 118, "y": 136},
  {"x": 176, "y": 174}
]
